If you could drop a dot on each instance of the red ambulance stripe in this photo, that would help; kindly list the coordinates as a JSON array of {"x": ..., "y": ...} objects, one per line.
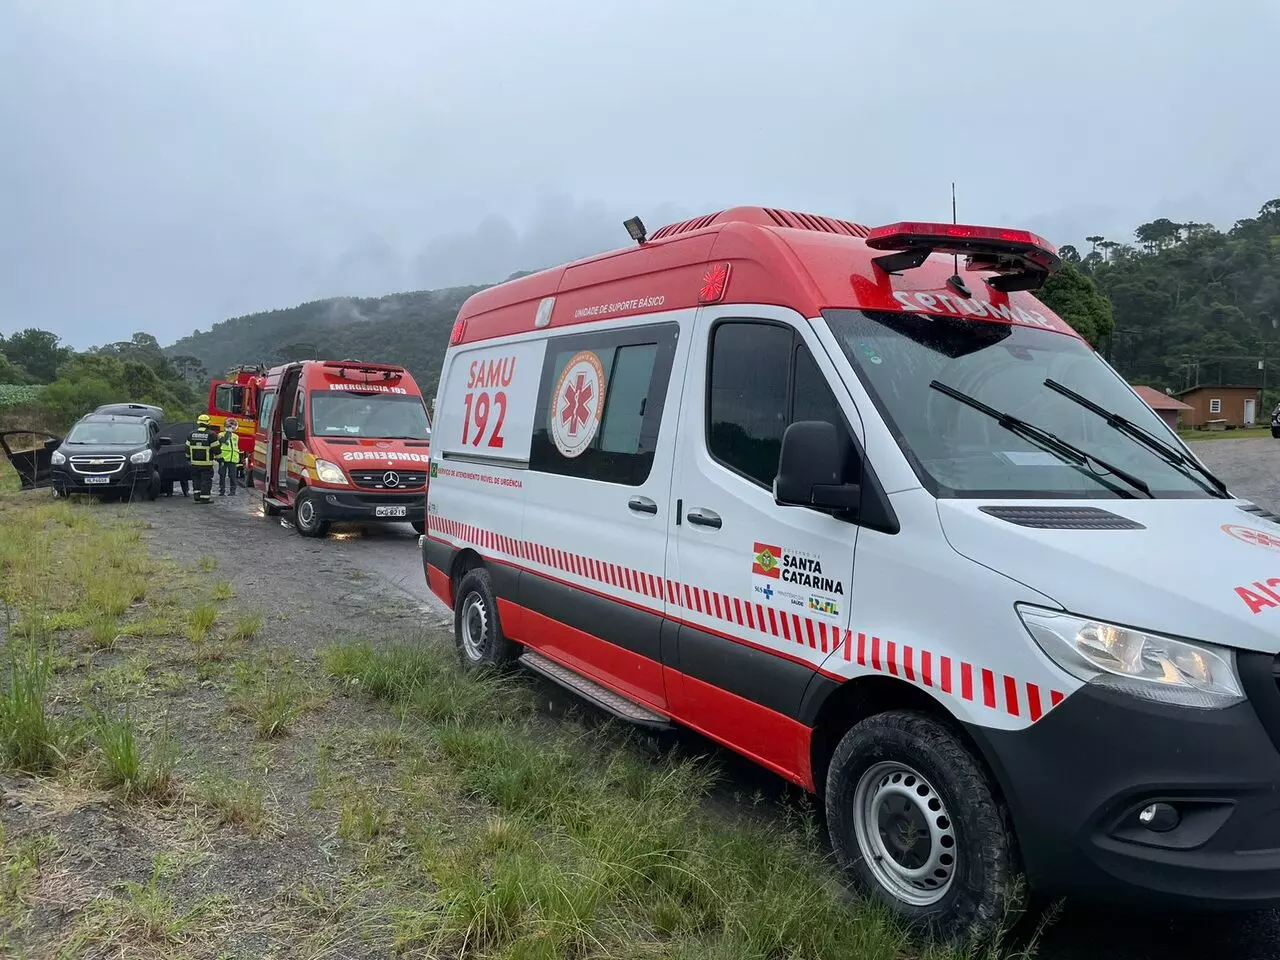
[
  {"x": 1011, "y": 695},
  {"x": 813, "y": 641},
  {"x": 1055, "y": 698},
  {"x": 697, "y": 599},
  {"x": 655, "y": 586},
  {"x": 786, "y": 625},
  {"x": 773, "y": 622},
  {"x": 926, "y": 668},
  {"x": 688, "y": 603},
  {"x": 875, "y": 652},
  {"x": 822, "y": 636},
  {"x": 862, "y": 649},
  {"x": 966, "y": 681},
  {"x": 848, "y": 646},
  {"x": 760, "y": 625},
  {"x": 719, "y": 613},
  {"x": 615, "y": 575},
  {"x": 890, "y": 656},
  {"x": 751, "y": 620},
  {"x": 728, "y": 606},
  {"x": 906, "y": 663},
  {"x": 737, "y": 611},
  {"x": 988, "y": 688},
  {"x": 944, "y": 666},
  {"x": 671, "y": 593}
]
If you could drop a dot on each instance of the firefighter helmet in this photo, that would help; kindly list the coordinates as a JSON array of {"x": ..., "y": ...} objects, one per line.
[{"x": 203, "y": 419}]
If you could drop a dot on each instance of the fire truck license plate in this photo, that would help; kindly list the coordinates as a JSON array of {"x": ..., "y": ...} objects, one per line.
[
  {"x": 390, "y": 511},
  {"x": 97, "y": 479}
]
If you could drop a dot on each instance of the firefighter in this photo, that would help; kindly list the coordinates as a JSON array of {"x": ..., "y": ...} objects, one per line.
[
  {"x": 201, "y": 445},
  {"x": 228, "y": 450}
]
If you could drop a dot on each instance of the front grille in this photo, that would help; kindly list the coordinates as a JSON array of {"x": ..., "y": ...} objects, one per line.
[
  {"x": 1063, "y": 518},
  {"x": 97, "y": 466},
  {"x": 389, "y": 479},
  {"x": 391, "y": 499}
]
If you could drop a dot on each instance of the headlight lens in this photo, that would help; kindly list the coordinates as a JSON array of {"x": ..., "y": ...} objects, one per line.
[
  {"x": 58, "y": 458},
  {"x": 142, "y": 456},
  {"x": 328, "y": 472},
  {"x": 1143, "y": 664}
]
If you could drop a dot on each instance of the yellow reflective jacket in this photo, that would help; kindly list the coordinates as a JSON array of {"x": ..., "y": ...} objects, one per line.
[{"x": 229, "y": 447}]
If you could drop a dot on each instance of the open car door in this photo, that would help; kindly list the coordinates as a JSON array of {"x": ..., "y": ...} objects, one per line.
[{"x": 33, "y": 465}]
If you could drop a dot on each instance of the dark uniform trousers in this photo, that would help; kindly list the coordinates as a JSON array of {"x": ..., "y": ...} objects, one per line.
[{"x": 200, "y": 449}]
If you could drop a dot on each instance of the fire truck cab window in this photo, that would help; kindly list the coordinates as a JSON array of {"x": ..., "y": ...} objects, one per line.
[{"x": 229, "y": 397}]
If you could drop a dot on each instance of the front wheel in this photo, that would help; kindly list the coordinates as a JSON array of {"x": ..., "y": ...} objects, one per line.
[
  {"x": 477, "y": 630},
  {"x": 306, "y": 515},
  {"x": 1275, "y": 433},
  {"x": 916, "y": 825},
  {"x": 420, "y": 526}
]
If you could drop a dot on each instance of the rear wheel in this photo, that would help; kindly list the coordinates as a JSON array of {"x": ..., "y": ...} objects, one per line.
[
  {"x": 477, "y": 630},
  {"x": 916, "y": 825},
  {"x": 306, "y": 515},
  {"x": 1275, "y": 433}
]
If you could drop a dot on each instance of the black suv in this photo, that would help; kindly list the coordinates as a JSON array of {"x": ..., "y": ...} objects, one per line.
[
  {"x": 1275, "y": 422},
  {"x": 111, "y": 454}
]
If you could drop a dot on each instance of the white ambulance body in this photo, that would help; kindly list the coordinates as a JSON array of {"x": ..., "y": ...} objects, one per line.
[{"x": 895, "y": 533}]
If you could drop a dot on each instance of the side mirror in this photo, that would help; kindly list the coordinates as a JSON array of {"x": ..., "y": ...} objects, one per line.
[
  {"x": 166, "y": 441},
  {"x": 292, "y": 429},
  {"x": 809, "y": 469}
]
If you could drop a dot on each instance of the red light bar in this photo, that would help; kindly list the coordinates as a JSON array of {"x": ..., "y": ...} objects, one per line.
[
  {"x": 714, "y": 283},
  {"x": 1023, "y": 259},
  {"x": 455, "y": 335}
]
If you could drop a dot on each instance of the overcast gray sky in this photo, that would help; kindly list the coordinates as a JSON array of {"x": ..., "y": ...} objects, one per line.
[{"x": 164, "y": 166}]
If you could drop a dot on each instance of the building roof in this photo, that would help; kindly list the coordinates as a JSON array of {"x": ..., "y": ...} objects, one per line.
[
  {"x": 1218, "y": 386},
  {"x": 1158, "y": 400}
]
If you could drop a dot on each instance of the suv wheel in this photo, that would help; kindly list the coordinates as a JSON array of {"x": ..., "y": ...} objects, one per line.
[
  {"x": 476, "y": 628},
  {"x": 306, "y": 515},
  {"x": 916, "y": 825}
]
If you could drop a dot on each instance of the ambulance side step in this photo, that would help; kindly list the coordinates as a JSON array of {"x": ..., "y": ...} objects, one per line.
[
  {"x": 278, "y": 504},
  {"x": 604, "y": 698}
]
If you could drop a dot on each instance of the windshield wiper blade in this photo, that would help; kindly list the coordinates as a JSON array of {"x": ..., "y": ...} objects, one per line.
[
  {"x": 1068, "y": 451},
  {"x": 1189, "y": 466}
]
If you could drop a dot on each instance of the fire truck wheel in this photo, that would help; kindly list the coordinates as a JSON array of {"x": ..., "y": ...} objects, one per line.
[
  {"x": 306, "y": 515},
  {"x": 476, "y": 628},
  {"x": 915, "y": 824}
]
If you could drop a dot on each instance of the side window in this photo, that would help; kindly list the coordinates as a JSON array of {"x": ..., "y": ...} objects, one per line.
[
  {"x": 761, "y": 379},
  {"x": 264, "y": 411},
  {"x": 600, "y": 403},
  {"x": 229, "y": 397}
]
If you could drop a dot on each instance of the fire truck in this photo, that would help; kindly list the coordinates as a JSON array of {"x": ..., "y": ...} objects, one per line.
[{"x": 236, "y": 396}]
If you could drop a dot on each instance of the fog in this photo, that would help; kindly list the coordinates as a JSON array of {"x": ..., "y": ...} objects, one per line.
[{"x": 164, "y": 166}]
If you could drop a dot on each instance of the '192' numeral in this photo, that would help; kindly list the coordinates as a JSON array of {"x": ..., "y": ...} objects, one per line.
[{"x": 478, "y": 408}]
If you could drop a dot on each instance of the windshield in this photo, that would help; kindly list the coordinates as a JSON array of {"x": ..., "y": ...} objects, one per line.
[
  {"x": 108, "y": 431},
  {"x": 337, "y": 413},
  {"x": 958, "y": 451}
]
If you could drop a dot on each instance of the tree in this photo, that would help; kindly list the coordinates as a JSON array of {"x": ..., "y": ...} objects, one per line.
[
  {"x": 1069, "y": 254},
  {"x": 37, "y": 352},
  {"x": 1076, "y": 299},
  {"x": 189, "y": 367},
  {"x": 1095, "y": 240},
  {"x": 11, "y": 373}
]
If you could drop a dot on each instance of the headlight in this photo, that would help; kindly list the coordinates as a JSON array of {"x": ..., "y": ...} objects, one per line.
[
  {"x": 58, "y": 458},
  {"x": 327, "y": 472},
  {"x": 142, "y": 456},
  {"x": 1142, "y": 664}
]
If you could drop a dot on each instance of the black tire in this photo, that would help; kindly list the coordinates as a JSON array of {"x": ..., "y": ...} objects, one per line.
[
  {"x": 943, "y": 782},
  {"x": 306, "y": 515},
  {"x": 419, "y": 525},
  {"x": 477, "y": 631},
  {"x": 1275, "y": 433},
  {"x": 267, "y": 509}
]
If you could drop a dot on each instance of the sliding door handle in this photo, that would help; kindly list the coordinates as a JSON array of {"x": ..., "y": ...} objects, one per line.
[
  {"x": 642, "y": 505},
  {"x": 702, "y": 517}
]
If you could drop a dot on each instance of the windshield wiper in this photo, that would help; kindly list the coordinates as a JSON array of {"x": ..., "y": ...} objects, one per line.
[
  {"x": 1042, "y": 438},
  {"x": 1186, "y": 465}
]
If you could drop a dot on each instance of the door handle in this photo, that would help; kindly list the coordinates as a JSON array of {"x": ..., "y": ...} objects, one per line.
[
  {"x": 642, "y": 505},
  {"x": 704, "y": 518}
]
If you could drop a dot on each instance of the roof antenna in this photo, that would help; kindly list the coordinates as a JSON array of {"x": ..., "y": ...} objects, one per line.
[
  {"x": 635, "y": 228},
  {"x": 955, "y": 281}
]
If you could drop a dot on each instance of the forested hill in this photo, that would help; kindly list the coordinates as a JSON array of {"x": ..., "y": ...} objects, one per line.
[
  {"x": 407, "y": 328},
  {"x": 1192, "y": 303}
]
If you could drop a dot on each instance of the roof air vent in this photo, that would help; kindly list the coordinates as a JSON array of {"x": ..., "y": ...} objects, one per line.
[{"x": 1063, "y": 518}]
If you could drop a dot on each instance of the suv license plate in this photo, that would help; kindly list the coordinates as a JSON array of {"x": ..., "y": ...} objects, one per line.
[
  {"x": 97, "y": 479},
  {"x": 390, "y": 511}
]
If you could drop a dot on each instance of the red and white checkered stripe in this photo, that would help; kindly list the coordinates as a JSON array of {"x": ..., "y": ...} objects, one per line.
[{"x": 995, "y": 691}]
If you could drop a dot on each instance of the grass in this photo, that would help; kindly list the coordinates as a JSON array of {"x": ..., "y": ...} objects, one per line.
[
  {"x": 123, "y": 763},
  {"x": 1240, "y": 433},
  {"x": 30, "y": 737},
  {"x": 105, "y": 631},
  {"x": 247, "y": 627},
  {"x": 233, "y": 802},
  {"x": 200, "y": 621},
  {"x": 222, "y": 591},
  {"x": 593, "y": 849},
  {"x": 272, "y": 702}
]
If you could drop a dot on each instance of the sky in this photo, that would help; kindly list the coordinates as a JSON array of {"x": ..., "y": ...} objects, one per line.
[{"x": 166, "y": 166}]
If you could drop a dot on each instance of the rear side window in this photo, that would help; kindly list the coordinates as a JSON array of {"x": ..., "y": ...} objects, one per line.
[
  {"x": 264, "y": 411},
  {"x": 761, "y": 378},
  {"x": 229, "y": 398},
  {"x": 600, "y": 402}
]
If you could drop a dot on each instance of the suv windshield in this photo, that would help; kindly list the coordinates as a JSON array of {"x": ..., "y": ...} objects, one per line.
[
  {"x": 108, "y": 431},
  {"x": 336, "y": 413},
  {"x": 959, "y": 451}
]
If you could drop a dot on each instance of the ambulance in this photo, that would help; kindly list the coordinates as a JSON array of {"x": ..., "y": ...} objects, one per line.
[
  {"x": 341, "y": 440},
  {"x": 855, "y": 504}
]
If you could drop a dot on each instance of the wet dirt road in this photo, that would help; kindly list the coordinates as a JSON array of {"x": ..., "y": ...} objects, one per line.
[{"x": 385, "y": 558}]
